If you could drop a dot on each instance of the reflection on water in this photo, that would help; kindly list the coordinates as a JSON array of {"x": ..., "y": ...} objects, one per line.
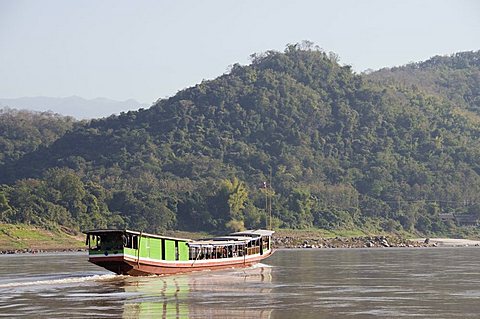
[
  {"x": 360, "y": 283},
  {"x": 219, "y": 294}
]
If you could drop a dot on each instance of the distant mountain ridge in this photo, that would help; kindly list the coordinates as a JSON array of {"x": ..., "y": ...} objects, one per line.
[{"x": 78, "y": 107}]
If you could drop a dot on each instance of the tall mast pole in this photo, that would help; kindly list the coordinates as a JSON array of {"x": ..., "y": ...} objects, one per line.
[
  {"x": 270, "y": 208},
  {"x": 265, "y": 186}
]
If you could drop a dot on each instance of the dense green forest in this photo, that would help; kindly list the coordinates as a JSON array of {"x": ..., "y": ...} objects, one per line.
[
  {"x": 24, "y": 132},
  {"x": 390, "y": 150}
]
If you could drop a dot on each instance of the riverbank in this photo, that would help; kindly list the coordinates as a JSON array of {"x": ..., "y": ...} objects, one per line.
[
  {"x": 22, "y": 238},
  {"x": 16, "y": 239}
]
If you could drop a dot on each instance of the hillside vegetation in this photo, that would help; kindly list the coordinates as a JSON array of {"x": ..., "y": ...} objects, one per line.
[
  {"x": 387, "y": 151},
  {"x": 23, "y": 132}
]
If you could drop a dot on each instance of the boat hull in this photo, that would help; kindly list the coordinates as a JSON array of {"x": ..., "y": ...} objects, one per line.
[{"x": 128, "y": 265}]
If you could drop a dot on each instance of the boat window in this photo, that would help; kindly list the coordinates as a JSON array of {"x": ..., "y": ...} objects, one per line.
[
  {"x": 218, "y": 251},
  {"x": 176, "y": 250},
  {"x": 135, "y": 242},
  {"x": 107, "y": 241},
  {"x": 94, "y": 242},
  {"x": 265, "y": 241},
  {"x": 130, "y": 241},
  {"x": 240, "y": 250},
  {"x": 163, "y": 248},
  {"x": 193, "y": 253}
]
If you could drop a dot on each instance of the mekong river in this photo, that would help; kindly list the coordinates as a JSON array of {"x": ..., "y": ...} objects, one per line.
[{"x": 316, "y": 283}]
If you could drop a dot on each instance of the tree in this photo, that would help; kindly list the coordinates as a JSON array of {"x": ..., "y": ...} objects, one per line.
[
  {"x": 5, "y": 208},
  {"x": 237, "y": 193}
]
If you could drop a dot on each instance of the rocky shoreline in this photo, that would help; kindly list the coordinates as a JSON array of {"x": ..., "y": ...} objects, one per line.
[{"x": 350, "y": 242}]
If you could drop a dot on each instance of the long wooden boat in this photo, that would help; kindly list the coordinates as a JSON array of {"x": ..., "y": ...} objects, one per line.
[{"x": 135, "y": 253}]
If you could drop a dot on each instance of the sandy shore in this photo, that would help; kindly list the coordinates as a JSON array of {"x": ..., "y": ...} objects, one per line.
[{"x": 450, "y": 242}]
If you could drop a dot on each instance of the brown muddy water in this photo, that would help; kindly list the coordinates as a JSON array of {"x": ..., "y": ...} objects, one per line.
[{"x": 315, "y": 283}]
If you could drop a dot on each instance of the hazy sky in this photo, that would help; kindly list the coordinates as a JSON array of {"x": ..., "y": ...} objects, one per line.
[{"x": 151, "y": 49}]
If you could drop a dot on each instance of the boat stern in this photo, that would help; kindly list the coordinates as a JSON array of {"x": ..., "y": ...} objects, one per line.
[{"x": 107, "y": 248}]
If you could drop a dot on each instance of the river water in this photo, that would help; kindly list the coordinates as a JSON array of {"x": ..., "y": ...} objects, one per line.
[{"x": 316, "y": 283}]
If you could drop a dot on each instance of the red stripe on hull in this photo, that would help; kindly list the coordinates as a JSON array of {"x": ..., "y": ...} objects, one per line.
[{"x": 125, "y": 266}]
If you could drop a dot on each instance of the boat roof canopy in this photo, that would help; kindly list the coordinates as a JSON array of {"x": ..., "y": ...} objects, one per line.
[
  {"x": 215, "y": 243},
  {"x": 254, "y": 233},
  {"x": 242, "y": 238},
  {"x": 104, "y": 231},
  {"x": 233, "y": 238}
]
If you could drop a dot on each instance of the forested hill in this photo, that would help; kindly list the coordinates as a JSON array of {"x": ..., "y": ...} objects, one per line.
[
  {"x": 455, "y": 77},
  {"x": 23, "y": 132},
  {"x": 378, "y": 151}
]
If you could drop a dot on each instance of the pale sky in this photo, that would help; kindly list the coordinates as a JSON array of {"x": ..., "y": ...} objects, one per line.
[{"x": 152, "y": 49}]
